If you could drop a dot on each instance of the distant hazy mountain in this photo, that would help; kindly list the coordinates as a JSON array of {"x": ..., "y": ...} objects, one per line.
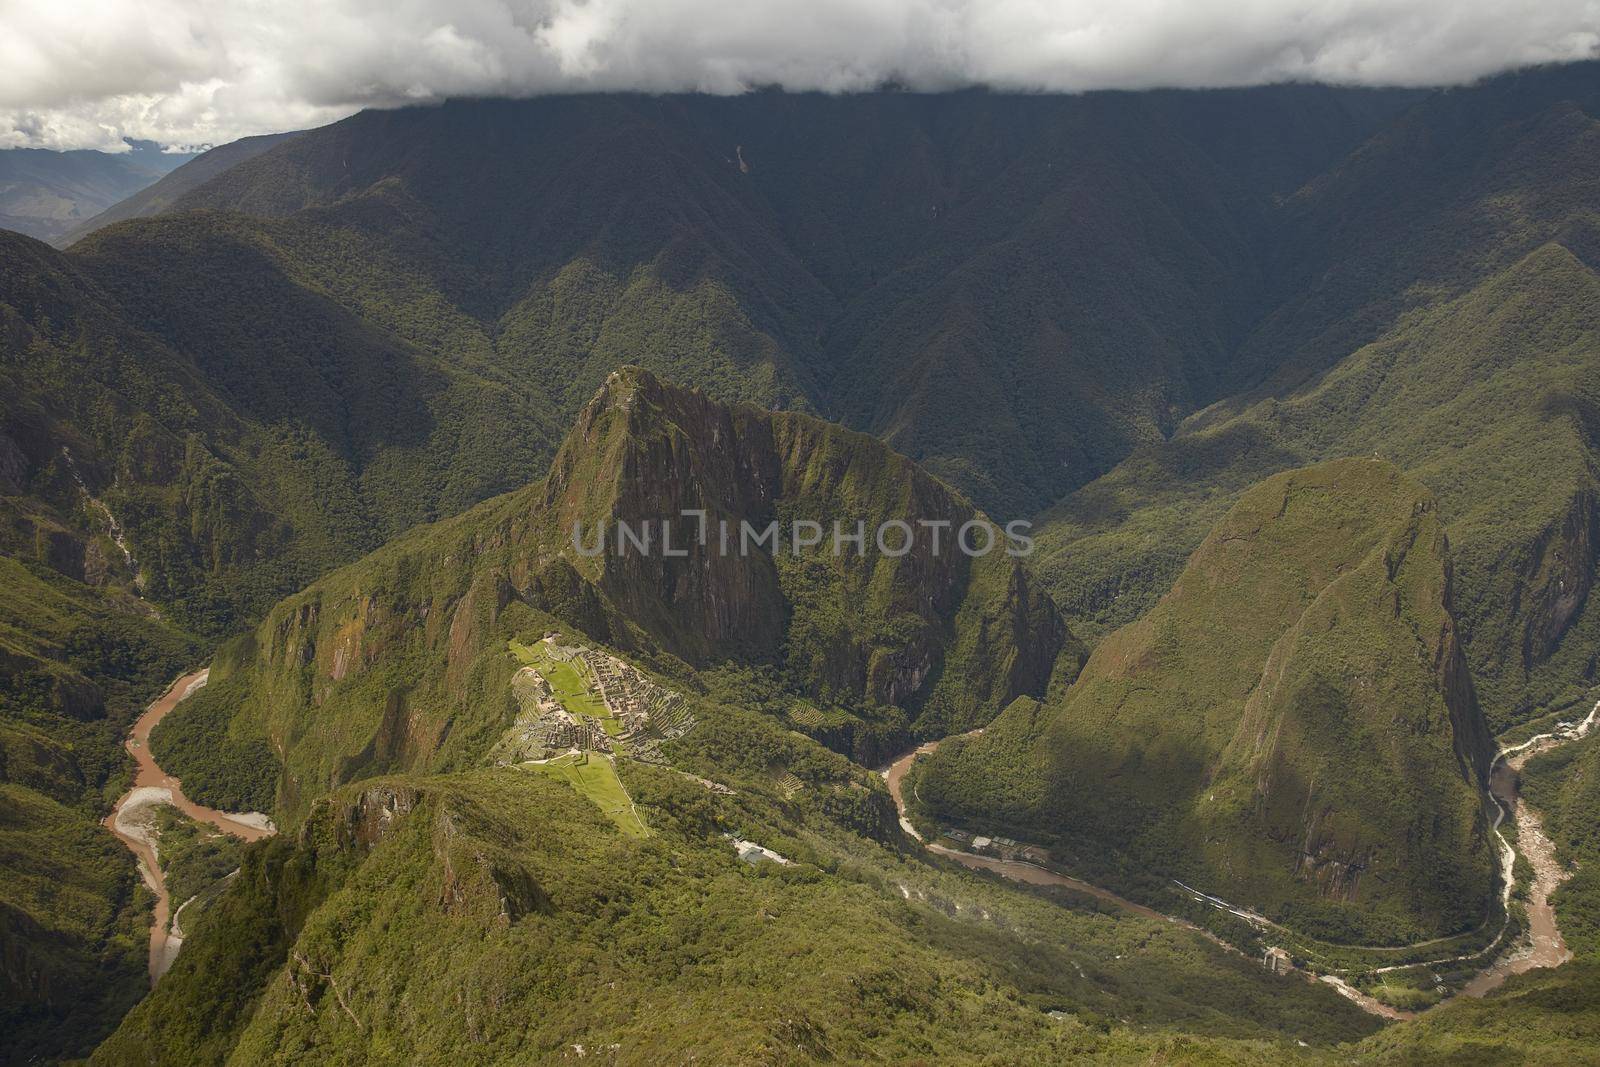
[
  {"x": 45, "y": 194},
  {"x": 156, "y": 198}
]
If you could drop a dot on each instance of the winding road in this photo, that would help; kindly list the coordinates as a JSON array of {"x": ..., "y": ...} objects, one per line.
[
  {"x": 132, "y": 817},
  {"x": 1544, "y": 947}
]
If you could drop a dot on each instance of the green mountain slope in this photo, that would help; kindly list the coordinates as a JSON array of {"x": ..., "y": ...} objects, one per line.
[
  {"x": 453, "y": 916},
  {"x": 334, "y": 941},
  {"x": 1464, "y": 184},
  {"x": 1441, "y": 283},
  {"x": 1542, "y": 1014},
  {"x": 80, "y": 652},
  {"x": 494, "y": 917},
  {"x": 76, "y": 665},
  {"x": 386, "y": 322},
  {"x": 111, "y": 432},
  {"x": 1291, "y": 728},
  {"x": 461, "y": 918},
  {"x": 422, "y": 299},
  {"x": 1516, "y": 489},
  {"x": 841, "y": 252},
  {"x": 400, "y": 660},
  {"x": 124, "y": 479},
  {"x": 248, "y": 402}
]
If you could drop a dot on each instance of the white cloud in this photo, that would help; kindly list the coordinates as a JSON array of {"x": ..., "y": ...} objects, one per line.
[{"x": 86, "y": 73}]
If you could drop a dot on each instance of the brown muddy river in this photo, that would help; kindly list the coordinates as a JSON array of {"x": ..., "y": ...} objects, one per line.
[{"x": 131, "y": 819}]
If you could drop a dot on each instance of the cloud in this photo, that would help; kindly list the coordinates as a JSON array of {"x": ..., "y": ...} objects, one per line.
[{"x": 87, "y": 73}]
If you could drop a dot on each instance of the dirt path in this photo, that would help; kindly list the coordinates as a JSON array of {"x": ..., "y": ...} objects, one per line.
[{"x": 132, "y": 819}]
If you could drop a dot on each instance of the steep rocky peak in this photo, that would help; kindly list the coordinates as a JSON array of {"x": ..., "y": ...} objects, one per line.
[{"x": 667, "y": 502}]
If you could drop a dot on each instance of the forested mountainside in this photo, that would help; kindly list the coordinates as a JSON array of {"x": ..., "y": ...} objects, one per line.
[
  {"x": 1449, "y": 326},
  {"x": 834, "y": 253},
  {"x": 443, "y": 886},
  {"x": 1291, "y": 727},
  {"x": 424, "y": 298},
  {"x": 393, "y": 691},
  {"x": 1019, "y": 293},
  {"x": 495, "y": 916},
  {"x": 1115, "y": 313},
  {"x": 455, "y": 848},
  {"x": 77, "y": 666},
  {"x": 1547, "y": 1014}
]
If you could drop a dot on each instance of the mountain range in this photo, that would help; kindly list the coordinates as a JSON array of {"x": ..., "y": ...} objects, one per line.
[
  {"x": 48, "y": 194},
  {"x": 1293, "y": 388}
]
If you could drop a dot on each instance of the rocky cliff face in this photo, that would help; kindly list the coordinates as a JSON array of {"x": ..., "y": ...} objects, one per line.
[
  {"x": 846, "y": 620},
  {"x": 1558, "y": 585},
  {"x": 642, "y": 454},
  {"x": 1474, "y": 742}
]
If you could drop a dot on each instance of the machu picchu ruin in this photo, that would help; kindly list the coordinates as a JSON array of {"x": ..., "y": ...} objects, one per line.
[{"x": 572, "y": 698}]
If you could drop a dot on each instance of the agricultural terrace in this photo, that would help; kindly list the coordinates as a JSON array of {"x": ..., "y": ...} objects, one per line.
[{"x": 578, "y": 709}]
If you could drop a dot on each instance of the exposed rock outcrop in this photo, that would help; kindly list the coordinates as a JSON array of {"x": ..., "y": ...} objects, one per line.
[
  {"x": 1558, "y": 586},
  {"x": 879, "y": 628}
]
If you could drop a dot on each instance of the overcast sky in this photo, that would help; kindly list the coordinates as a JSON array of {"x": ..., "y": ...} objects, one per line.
[{"x": 86, "y": 73}]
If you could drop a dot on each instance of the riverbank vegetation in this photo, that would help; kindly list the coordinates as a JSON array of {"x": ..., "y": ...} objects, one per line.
[
  {"x": 194, "y": 858},
  {"x": 77, "y": 663},
  {"x": 198, "y": 743},
  {"x": 1341, "y": 801},
  {"x": 676, "y": 946},
  {"x": 1564, "y": 785}
]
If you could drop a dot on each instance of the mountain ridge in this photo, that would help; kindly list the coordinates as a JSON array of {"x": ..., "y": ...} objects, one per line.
[
  {"x": 46, "y": 193},
  {"x": 416, "y": 633}
]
